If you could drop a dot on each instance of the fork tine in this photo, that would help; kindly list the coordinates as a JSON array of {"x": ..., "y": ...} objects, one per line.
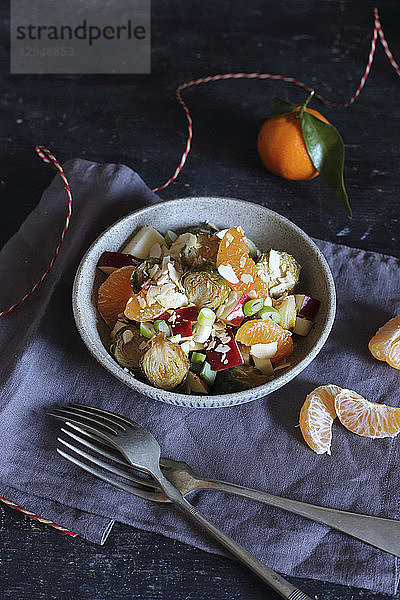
[
  {"x": 146, "y": 494},
  {"x": 86, "y": 410},
  {"x": 114, "y": 456},
  {"x": 106, "y": 466},
  {"x": 167, "y": 463},
  {"x": 99, "y": 420},
  {"x": 65, "y": 414},
  {"x": 96, "y": 438},
  {"x": 94, "y": 434},
  {"x": 84, "y": 427},
  {"x": 113, "y": 417}
]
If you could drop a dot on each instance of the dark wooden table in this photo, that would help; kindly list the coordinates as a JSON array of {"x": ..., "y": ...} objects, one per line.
[{"x": 135, "y": 119}]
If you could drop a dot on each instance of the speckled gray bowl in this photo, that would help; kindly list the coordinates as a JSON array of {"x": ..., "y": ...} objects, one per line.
[{"x": 265, "y": 227}]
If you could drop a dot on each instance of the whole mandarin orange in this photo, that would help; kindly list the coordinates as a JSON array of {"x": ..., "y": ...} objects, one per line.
[{"x": 282, "y": 148}]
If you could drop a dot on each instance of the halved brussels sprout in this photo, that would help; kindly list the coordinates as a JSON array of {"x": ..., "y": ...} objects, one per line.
[
  {"x": 279, "y": 270},
  {"x": 205, "y": 287},
  {"x": 142, "y": 273},
  {"x": 164, "y": 363},
  {"x": 125, "y": 348},
  {"x": 237, "y": 379},
  {"x": 194, "y": 249}
]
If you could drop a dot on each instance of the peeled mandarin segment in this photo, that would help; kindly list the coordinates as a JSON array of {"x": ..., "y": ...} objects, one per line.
[
  {"x": 316, "y": 425},
  {"x": 381, "y": 343},
  {"x": 364, "y": 418},
  {"x": 114, "y": 293},
  {"x": 260, "y": 331},
  {"x": 316, "y": 417},
  {"x": 394, "y": 356},
  {"x": 327, "y": 394},
  {"x": 137, "y": 308},
  {"x": 233, "y": 251}
]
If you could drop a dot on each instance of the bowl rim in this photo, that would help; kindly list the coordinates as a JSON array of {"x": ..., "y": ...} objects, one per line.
[{"x": 202, "y": 401}]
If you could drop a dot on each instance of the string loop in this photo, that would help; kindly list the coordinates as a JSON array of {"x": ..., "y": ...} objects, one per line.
[{"x": 49, "y": 158}]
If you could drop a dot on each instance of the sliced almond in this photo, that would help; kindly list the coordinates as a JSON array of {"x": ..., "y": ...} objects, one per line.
[{"x": 226, "y": 271}]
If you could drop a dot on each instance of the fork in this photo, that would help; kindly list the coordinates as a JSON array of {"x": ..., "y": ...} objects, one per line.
[
  {"x": 379, "y": 532},
  {"x": 142, "y": 451}
]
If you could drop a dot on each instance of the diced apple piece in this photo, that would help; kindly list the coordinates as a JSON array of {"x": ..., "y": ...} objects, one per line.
[
  {"x": 302, "y": 326},
  {"x": 233, "y": 312},
  {"x": 142, "y": 242},
  {"x": 187, "y": 313},
  {"x": 190, "y": 345},
  {"x": 306, "y": 306},
  {"x": 287, "y": 309},
  {"x": 264, "y": 351},
  {"x": 195, "y": 384},
  {"x": 224, "y": 354},
  {"x": 182, "y": 328},
  {"x": 110, "y": 261},
  {"x": 245, "y": 352},
  {"x": 264, "y": 365},
  {"x": 201, "y": 333},
  {"x": 236, "y": 316}
]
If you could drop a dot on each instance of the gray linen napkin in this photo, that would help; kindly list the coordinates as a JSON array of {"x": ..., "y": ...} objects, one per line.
[{"x": 44, "y": 363}]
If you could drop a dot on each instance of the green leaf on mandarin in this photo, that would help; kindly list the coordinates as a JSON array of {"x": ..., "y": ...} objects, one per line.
[{"x": 326, "y": 149}]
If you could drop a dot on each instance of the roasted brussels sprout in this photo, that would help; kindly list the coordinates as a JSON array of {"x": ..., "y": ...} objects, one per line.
[
  {"x": 204, "y": 287},
  {"x": 164, "y": 363},
  {"x": 142, "y": 273},
  {"x": 279, "y": 270},
  {"x": 194, "y": 249},
  {"x": 237, "y": 379},
  {"x": 126, "y": 348}
]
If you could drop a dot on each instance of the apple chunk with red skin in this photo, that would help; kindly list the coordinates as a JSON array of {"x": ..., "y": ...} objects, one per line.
[
  {"x": 234, "y": 314},
  {"x": 180, "y": 320},
  {"x": 110, "y": 261},
  {"x": 306, "y": 306},
  {"x": 237, "y": 316},
  {"x": 224, "y": 355}
]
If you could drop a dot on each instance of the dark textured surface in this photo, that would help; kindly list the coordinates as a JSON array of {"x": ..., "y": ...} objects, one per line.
[{"x": 136, "y": 120}]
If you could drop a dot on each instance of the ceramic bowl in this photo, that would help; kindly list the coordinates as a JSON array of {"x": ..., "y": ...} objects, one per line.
[{"x": 265, "y": 227}]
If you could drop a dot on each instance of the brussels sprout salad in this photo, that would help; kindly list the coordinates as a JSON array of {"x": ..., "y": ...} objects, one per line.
[{"x": 203, "y": 311}]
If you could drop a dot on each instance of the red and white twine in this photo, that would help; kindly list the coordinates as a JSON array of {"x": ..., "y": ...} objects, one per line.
[
  {"x": 377, "y": 30},
  {"x": 49, "y": 158},
  {"x": 34, "y": 516}
]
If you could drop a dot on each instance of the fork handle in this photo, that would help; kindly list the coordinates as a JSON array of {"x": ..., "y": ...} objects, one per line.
[
  {"x": 379, "y": 532},
  {"x": 275, "y": 581}
]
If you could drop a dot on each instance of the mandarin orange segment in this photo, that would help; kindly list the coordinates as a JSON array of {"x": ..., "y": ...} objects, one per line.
[
  {"x": 114, "y": 293},
  {"x": 316, "y": 417},
  {"x": 138, "y": 309},
  {"x": 264, "y": 331},
  {"x": 365, "y": 418},
  {"x": 233, "y": 253},
  {"x": 382, "y": 343},
  {"x": 394, "y": 355}
]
